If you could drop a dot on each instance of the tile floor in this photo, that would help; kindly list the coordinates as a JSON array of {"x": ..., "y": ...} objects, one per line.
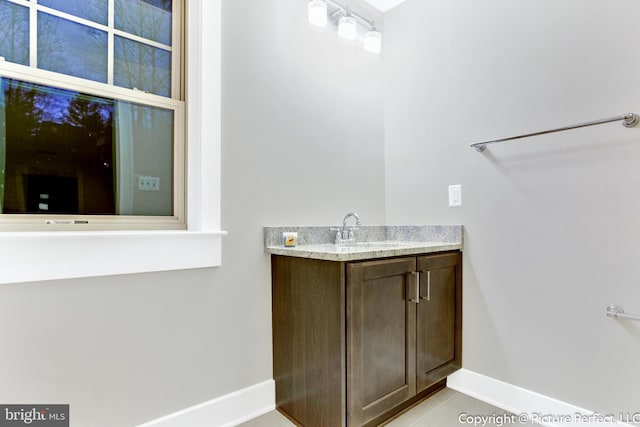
[{"x": 444, "y": 409}]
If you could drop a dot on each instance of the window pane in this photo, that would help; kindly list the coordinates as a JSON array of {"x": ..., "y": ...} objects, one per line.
[
  {"x": 70, "y": 48},
  {"x": 67, "y": 152},
  {"x": 145, "y": 159},
  {"x": 150, "y": 19},
  {"x": 14, "y": 32},
  {"x": 58, "y": 151},
  {"x": 140, "y": 66},
  {"x": 92, "y": 10}
]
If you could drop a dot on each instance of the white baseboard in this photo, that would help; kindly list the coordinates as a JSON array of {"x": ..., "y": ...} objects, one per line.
[
  {"x": 225, "y": 411},
  {"x": 539, "y": 408},
  {"x": 248, "y": 403}
]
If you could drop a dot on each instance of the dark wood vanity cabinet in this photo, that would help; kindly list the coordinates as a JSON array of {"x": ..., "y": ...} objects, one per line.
[{"x": 356, "y": 342}]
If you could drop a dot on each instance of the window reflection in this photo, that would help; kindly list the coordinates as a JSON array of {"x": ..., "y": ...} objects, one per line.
[
  {"x": 58, "y": 143},
  {"x": 92, "y": 10},
  {"x": 14, "y": 33},
  {"x": 65, "y": 152},
  {"x": 150, "y": 19},
  {"x": 70, "y": 48},
  {"x": 144, "y": 144},
  {"x": 78, "y": 44},
  {"x": 137, "y": 65}
]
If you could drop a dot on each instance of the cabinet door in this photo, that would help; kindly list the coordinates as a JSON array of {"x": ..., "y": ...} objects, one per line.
[
  {"x": 309, "y": 351},
  {"x": 381, "y": 364},
  {"x": 439, "y": 324}
]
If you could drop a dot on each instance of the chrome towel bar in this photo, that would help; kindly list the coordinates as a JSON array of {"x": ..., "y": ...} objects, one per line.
[
  {"x": 629, "y": 120},
  {"x": 617, "y": 312}
]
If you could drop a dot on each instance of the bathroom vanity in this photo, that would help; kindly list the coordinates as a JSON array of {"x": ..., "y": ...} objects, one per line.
[{"x": 361, "y": 333}]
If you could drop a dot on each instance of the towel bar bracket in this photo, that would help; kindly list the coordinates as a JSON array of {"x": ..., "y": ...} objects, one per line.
[
  {"x": 617, "y": 312},
  {"x": 631, "y": 120}
]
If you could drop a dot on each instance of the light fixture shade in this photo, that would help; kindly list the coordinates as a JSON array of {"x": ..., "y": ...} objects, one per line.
[
  {"x": 373, "y": 41},
  {"x": 317, "y": 12},
  {"x": 347, "y": 28}
]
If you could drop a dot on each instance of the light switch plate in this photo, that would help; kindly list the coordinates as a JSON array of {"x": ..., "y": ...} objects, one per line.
[{"x": 455, "y": 195}]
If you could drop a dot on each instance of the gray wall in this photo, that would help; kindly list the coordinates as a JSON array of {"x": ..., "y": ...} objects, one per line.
[
  {"x": 552, "y": 232},
  {"x": 302, "y": 144}
]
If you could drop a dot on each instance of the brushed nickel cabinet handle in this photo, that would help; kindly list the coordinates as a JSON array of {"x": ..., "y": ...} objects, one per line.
[
  {"x": 428, "y": 297},
  {"x": 415, "y": 298}
]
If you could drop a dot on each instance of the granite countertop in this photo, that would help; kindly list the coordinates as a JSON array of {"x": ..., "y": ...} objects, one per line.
[{"x": 373, "y": 242}]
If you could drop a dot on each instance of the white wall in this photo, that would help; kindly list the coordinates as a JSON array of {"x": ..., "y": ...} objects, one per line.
[
  {"x": 302, "y": 143},
  {"x": 551, "y": 222}
]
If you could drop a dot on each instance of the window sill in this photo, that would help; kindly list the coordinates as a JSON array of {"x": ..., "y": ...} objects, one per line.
[{"x": 36, "y": 256}]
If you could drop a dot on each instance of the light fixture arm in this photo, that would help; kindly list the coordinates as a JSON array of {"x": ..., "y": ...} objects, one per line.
[
  {"x": 337, "y": 13},
  {"x": 346, "y": 11}
]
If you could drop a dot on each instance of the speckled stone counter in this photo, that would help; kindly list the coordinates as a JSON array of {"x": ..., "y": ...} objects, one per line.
[{"x": 372, "y": 241}]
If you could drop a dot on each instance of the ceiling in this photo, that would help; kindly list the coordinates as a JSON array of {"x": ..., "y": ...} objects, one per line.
[{"x": 384, "y": 5}]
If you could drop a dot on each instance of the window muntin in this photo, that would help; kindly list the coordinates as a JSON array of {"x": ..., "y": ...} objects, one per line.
[{"x": 147, "y": 133}]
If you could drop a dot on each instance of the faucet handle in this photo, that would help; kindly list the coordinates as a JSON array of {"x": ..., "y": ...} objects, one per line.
[
  {"x": 352, "y": 235},
  {"x": 338, "y": 238}
]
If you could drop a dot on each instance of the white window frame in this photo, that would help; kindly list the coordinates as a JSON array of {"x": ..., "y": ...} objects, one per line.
[
  {"x": 38, "y": 256},
  {"x": 32, "y": 74}
]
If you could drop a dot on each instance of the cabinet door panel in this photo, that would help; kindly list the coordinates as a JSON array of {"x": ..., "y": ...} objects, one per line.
[
  {"x": 383, "y": 334},
  {"x": 439, "y": 318},
  {"x": 381, "y": 338},
  {"x": 308, "y": 340}
]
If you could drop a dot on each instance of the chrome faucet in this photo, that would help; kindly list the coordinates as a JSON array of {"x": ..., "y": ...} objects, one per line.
[
  {"x": 344, "y": 235},
  {"x": 347, "y": 235},
  {"x": 344, "y": 223}
]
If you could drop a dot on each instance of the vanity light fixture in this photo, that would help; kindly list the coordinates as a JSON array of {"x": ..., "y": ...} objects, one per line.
[
  {"x": 317, "y": 13},
  {"x": 349, "y": 25},
  {"x": 373, "y": 41}
]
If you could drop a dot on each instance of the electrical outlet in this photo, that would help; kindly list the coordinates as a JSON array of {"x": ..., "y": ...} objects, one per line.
[
  {"x": 148, "y": 183},
  {"x": 455, "y": 195}
]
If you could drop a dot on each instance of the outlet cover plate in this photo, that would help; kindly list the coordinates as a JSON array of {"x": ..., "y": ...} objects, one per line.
[{"x": 148, "y": 183}]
